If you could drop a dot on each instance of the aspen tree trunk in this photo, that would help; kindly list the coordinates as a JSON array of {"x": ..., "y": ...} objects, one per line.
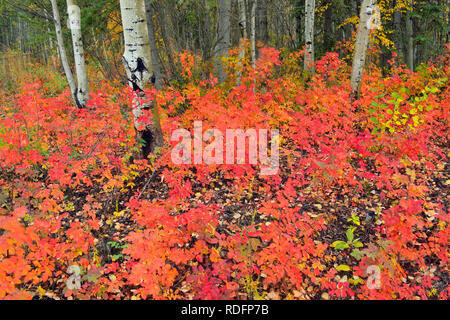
[
  {"x": 63, "y": 54},
  {"x": 82, "y": 90},
  {"x": 310, "y": 7},
  {"x": 410, "y": 39},
  {"x": 137, "y": 61},
  {"x": 362, "y": 41},
  {"x": 223, "y": 36},
  {"x": 253, "y": 31},
  {"x": 153, "y": 48}
]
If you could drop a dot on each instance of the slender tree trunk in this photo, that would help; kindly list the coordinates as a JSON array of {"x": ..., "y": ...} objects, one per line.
[
  {"x": 63, "y": 54},
  {"x": 262, "y": 31},
  {"x": 82, "y": 91},
  {"x": 243, "y": 26},
  {"x": 399, "y": 33},
  {"x": 310, "y": 7},
  {"x": 168, "y": 34},
  {"x": 253, "y": 31},
  {"x": 207, "y": 39},
  {"x": 328, "y": 41},
  {"x": 299, "y": 24},
  {"x": 223, "y": 36},
  {"x": 153, "y": 48},
  {"x": 242, "y": 18},
  {"x": 362, "y": 41},
  {"x": 410, "y": 38},
  {"x": 137, "y": 61},
  {"x": 19, "y": 29},
  {"x": 51, "y": 47}
]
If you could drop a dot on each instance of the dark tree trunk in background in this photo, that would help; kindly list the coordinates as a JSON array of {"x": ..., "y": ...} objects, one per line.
[
  {"x": 399, "y": 34},
  {"x": 153, "y": 47},
  {"x": 299, "y": 9},
  {"x": 410, "y": 39},
  {"x": 223, "y": 36},
  {"x": 328, "y": 32},
  {"x": 262, "y": 23}
]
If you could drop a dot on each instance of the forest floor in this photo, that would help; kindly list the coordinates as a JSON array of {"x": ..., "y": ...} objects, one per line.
[{"x": 359, "y": 208}]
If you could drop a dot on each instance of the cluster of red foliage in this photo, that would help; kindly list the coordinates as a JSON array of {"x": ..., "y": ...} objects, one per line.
[{"x": 224, "y": 231}]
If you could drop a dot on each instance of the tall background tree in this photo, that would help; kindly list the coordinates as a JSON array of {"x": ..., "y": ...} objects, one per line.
[
  {"x": 63, "y": 54},
  {"x": 223, "y": 39},
  {"x": 82, "y": 90},
  {"x": 310, "y": 8},
  {"x": 362, "y": 42},
  {"x": 137, "y": 61},
  {"x": 153, "y": 46}
]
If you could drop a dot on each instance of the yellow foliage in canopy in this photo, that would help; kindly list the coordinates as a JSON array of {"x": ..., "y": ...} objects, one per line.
[
  {"x": 382, "y": 36},
  {"x": 115, "y": 24}
]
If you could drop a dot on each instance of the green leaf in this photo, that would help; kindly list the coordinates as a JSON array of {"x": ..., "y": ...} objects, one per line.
[
  {"x": 358, "y": 244},
  {"x": 354, "y": 219},
  {"x": 349, "y": 235},
  {"x": 355, "y": 280},
  {"x": 339, "y": 245},
  {"x": 343, "y": 267},
  {"x": 116, "y": 257}
]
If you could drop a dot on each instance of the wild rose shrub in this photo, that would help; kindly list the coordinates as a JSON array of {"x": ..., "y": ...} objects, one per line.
[{"x": 360, "y": 184}]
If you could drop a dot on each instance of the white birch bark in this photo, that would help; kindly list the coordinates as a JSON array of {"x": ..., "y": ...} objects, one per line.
[
  {"x": 82, "y": 90},
  {"x": 223, "y": 36},
  {"x": 137, "y": 57},
  {"x": 310, "y": 7},
  {"x": 63, "y": 54},
  {"x": 137, "y": 61},
  {"x": 362, "y": 41}
]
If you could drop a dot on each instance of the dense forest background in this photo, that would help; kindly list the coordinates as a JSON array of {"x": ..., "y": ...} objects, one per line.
[{"x": 416, "y": 30}]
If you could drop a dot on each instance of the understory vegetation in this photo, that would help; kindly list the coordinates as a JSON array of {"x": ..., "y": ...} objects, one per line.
[{"x": 358, "y": 209}]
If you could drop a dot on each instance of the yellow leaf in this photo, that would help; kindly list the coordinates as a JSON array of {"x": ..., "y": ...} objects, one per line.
[{"x": 41, "y": 291}]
